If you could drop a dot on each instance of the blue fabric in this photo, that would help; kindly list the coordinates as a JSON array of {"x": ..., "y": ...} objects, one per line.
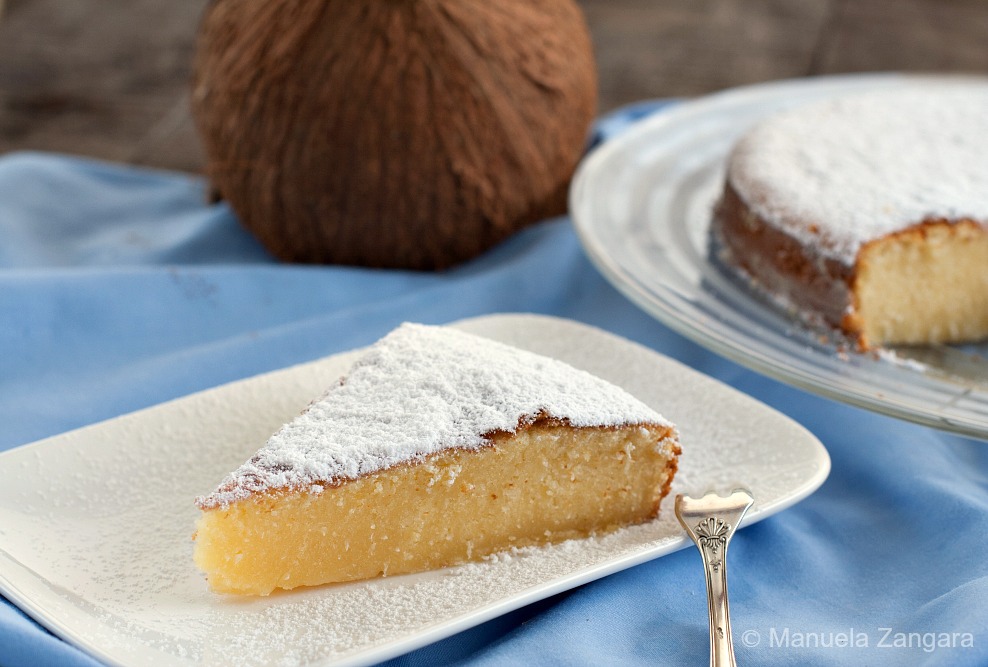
[{"x": 120, "y": 288}]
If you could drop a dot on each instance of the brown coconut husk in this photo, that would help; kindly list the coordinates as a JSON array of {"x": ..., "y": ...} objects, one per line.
[{"x": 392, "y": 133}]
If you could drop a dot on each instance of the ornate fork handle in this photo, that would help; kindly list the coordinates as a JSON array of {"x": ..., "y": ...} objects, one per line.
[{"x": 710, "y": 522}]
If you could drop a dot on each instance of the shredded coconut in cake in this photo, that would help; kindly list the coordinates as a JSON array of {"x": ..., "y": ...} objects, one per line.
[
  {"x": 853, "y": 169},
  {"x": 420, "y": 390}
]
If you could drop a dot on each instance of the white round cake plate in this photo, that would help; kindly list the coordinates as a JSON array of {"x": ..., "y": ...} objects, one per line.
[{"x": 642, "y": 205}]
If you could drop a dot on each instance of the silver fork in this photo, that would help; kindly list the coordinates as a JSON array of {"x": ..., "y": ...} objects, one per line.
[{"x": 710, "y": 522}]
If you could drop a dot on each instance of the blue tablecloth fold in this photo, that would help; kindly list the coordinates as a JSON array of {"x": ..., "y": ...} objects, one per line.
[{"x": 121, "y": 288}]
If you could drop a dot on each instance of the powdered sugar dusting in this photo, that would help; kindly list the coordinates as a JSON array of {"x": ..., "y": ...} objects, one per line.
[
  {"x": 420, "y": 390},
  {"x": 849, "y": 170}
]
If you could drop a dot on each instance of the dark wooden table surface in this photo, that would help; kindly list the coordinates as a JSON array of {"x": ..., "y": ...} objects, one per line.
[{"x": 109, "y": 78}]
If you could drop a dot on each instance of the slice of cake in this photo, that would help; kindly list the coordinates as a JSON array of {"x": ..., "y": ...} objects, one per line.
[
  {"x": 869, "y": 212},
  {"x": 437, "y": 447}
]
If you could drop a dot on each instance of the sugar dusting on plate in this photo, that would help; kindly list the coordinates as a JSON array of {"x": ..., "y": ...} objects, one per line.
[
  {"x": 419, "y": 390},
  {"x": 304, "y": 627}
]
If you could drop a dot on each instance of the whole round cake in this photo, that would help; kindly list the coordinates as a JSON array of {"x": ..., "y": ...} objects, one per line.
[{"x": 869, "y": 212}]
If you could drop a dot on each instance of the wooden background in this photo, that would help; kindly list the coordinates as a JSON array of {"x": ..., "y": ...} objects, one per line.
[{"x": 109, "y": 78}]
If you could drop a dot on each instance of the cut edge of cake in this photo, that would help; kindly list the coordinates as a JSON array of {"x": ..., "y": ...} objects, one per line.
[{"x": 944, "y": 300}]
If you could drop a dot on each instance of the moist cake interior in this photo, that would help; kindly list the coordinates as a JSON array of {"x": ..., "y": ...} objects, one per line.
[
  {"x": 546, "y": 483},
  {"x": 926, "y": 285}
]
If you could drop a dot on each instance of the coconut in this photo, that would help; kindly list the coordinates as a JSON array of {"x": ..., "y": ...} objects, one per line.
[{"x": 392, "y": 133}]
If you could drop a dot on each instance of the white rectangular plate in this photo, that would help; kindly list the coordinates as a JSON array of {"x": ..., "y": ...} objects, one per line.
[{"x": 95, "y": 524}]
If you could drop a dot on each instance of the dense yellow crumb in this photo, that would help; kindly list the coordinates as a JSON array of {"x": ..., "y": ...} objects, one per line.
[{"x": 546, "y": 483}]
